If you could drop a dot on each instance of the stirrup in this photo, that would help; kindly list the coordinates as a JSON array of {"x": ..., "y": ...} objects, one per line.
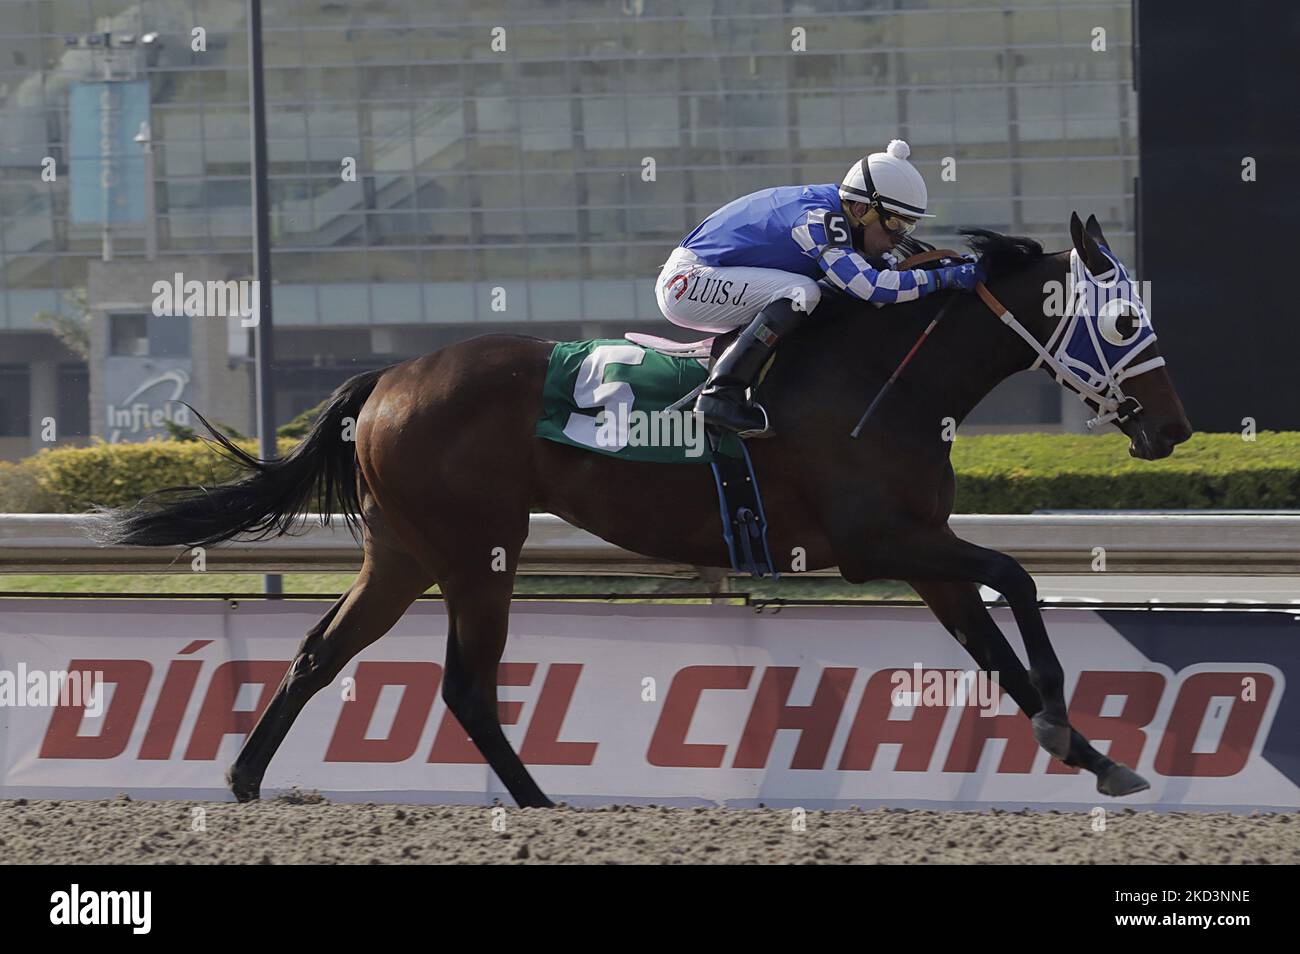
[
  {"x": 738, "y": 406},
  {"x": 763, "y": 432}
]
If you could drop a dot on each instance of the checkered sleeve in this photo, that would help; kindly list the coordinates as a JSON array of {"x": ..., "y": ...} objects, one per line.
[{"x": 829, "y": 243}]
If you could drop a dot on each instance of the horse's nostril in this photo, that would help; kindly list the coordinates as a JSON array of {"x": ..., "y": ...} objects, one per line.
[{"x": 1175, "y": 432}]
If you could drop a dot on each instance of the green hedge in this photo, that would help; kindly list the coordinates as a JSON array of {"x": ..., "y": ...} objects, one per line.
[
  {"x": 73, "y": 479},
  {"x": 1013, "y": 473},
  {"x": 1020, "y": 473}
]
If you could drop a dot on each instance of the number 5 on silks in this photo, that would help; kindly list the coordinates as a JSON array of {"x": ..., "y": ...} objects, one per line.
[{"x": 590, "y": 389}]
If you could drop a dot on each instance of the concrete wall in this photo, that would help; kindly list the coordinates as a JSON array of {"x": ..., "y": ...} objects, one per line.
[{"x": 220, "y": 383}]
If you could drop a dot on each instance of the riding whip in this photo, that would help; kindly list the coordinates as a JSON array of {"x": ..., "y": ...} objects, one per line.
[{"x": 899, "y": 370}]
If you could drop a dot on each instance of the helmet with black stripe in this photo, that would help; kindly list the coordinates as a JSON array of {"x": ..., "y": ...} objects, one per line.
[{"x": 888, "y": 183}]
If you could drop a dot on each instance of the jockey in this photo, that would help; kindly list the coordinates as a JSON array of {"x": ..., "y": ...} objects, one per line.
[{"x": 755, "y": 262}]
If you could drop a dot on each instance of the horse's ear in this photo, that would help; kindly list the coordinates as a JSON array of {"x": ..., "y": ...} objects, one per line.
[
  {"x": 1076, "y": 231},
  {"x": 1093, "y": 228},
  {"x": 1093, "y": 259}
]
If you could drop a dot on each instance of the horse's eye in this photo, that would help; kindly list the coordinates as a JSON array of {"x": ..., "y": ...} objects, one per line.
[{"x": 1119, "y": 321}]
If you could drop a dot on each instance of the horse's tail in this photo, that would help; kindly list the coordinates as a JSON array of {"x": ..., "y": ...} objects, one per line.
[{"x": 319, "y": 474}]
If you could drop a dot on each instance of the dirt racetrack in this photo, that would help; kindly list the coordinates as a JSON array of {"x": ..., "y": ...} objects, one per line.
[{"x": 307, "y": 831}]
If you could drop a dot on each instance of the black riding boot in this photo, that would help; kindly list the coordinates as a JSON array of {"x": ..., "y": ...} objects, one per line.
[{"x": 723, "y": 402}]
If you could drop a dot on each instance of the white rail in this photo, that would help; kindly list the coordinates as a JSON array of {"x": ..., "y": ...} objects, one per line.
[{"x": 1215, "y": 544}]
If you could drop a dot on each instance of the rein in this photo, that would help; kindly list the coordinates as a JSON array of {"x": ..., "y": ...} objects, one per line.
[
  {"x": 1112, "y": 403},
  {"x": 920, "y": 258}
]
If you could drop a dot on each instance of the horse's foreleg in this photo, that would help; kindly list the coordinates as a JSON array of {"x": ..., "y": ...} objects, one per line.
[
  {"x": 940, "y": 556},
  {"x": 961, "y": 611}
]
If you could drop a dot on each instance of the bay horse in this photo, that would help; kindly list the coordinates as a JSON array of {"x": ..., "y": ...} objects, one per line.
[{"x": 445, "y": 468}]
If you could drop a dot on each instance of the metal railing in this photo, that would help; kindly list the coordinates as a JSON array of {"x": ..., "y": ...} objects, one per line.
[{"x": 1213, "y": 544}]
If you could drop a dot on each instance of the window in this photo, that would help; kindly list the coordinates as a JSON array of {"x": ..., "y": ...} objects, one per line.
[
  {"x": 15, "y": 400},
  {"x": 73, "y": 400},
  {"x": 141, "y": 336},
  {"x": 128, "y": 335}
]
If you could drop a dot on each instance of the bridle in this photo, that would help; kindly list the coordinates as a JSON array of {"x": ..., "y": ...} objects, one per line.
[{"x": 1102, "y": 384}]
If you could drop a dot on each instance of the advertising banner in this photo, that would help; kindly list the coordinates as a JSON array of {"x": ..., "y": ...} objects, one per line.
[
  {"x": 106, "y": 164},
  {"x": 820, "y": 707}
]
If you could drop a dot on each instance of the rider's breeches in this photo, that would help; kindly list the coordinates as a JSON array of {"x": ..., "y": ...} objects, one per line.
[{"x": 720, "y": 298}]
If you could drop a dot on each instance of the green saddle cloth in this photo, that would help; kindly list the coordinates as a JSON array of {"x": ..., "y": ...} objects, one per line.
[{"x": 611, "y": 396}]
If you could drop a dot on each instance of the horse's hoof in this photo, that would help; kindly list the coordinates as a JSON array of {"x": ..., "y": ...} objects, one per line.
[
  {"x": 1121, "y": 780},
  {"x": 1053, "y": 736},
  {"x": 244, "y": 789}
]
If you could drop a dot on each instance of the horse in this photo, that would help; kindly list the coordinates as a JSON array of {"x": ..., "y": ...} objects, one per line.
[{"x": 443, "y": 468}]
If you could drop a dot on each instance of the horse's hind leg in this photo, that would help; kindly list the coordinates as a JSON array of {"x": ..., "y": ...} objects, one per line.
[
  {"x": 388, "y": 583},
  {"x": 479, "y": 610},
  {"x": 245, "y": 775},
  {"x": 962, "y": 612}
]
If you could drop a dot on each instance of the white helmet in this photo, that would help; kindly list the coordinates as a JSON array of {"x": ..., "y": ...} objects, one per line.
[{"x": 887, "y": 179}]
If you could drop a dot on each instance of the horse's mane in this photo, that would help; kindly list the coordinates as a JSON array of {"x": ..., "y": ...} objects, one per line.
[{"x": 1002, "y": 254}]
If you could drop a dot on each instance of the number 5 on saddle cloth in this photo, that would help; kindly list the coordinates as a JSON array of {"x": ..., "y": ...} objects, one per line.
[{"x": 632, "y": 399}]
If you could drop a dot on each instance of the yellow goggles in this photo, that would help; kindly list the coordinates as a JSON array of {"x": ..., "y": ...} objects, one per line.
[{"x": 896, "y": 224}]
